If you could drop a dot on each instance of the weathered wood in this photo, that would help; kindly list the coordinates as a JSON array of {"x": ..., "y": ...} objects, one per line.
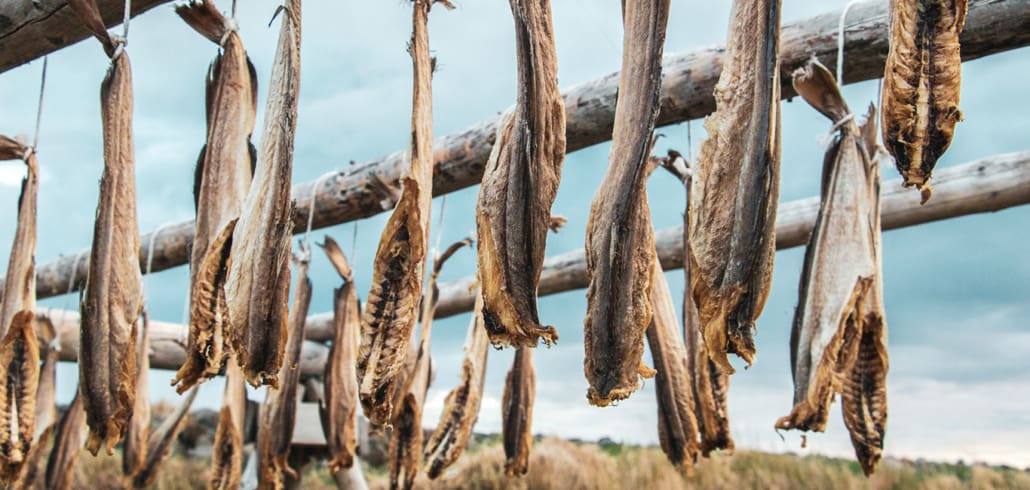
[
  {"x": 33, "y": 29},
  {"x": 364, "y": 190},
  {"x": 167, "y": 343}
]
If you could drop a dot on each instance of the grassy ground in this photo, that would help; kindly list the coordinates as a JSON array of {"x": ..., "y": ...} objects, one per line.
[{"x": 559, "y": 464}]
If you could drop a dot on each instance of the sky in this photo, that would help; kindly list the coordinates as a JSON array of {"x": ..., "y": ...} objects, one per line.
[{"x": 956, "y": 291}]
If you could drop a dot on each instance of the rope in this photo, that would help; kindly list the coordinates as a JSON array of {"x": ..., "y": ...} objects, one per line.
[
  {"x": 39, "y": 110},
  {"x": 840, "y": 41},
  {"x": 690, "y": 140},
  {"x": 234, "y": 9},
  {"x": 354, "y": 244},
  {"x": 311, "y": 207},
  {"x": 150, "y": 255},
  {"x": 439, "y": 226}
]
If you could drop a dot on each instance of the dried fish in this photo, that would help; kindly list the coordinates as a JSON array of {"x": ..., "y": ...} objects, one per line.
[
  {"x": 227, "y": 451},
  {"x": 223, "y": 176},
  {"x": 391, "y": 309},
  {"x": 710, "y": 386},
  {"x": 406, "y": 439},
  {"x": 19, "y": 368},
  {"x": 677, "y": 427},
  {"x": 162, "y": 441},
  {"x": 339, "y": 409},
  {"x": 33, "y": 472},
  {"x": 134, "y": 450},
  {"x": 461, "y": 407},
  {"x": 736, "y": 186},
  {"x": 620, "y": 251},
  {"x": 921, "y": 85},
  {"x": 60, "y": 468},
  {"x": 839, "y": 339},
  {"x": 19, "y": 348},
  {"x": 112, "y": 298},
  {"x": 257, "y": 287},
  {"x": 519, "y": 186},
  {"x": 278, "y": 414},
  {"x": 517, "y": 413}
]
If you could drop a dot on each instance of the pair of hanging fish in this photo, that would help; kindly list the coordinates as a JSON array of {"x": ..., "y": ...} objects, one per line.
[{"x": 839, "y": 338}]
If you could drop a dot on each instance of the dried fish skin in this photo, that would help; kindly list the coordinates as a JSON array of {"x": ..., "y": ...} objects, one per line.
[
  {"x": 161, "y": 442},
  {"x": 838, "y": 340},
  {"x": 517, "y": 413},
  {"x": 921, "y": 82},
  {"x": 19, "y": 368},
  {"x": 134, "y": 449},
  {"x": 732, "y": 220},
  {"x": 60, "y": 468},
  {"x": 461, "y": 407},
  {"x": 19, "y": 348},
  {"x": 519, "y": 185},
  {"x": 20, "y": 295},
  {"x": 677, "y": 426},
  {"x": 223, "y": 177},
  {"x": 207, "y": 348},
  {"x": 278, "y": 414},
  {"x": 227, "y": 450},
  {"x": 393, "y": 300},
  {"x": 339, "y": 408},
  {"x": 620, "y": 252},
  {"x": 257, "y": 287},
  {"x": 33, "y": 472},
  {"x": 112, "y": 299},
  {"x": 710, "y": 385}
]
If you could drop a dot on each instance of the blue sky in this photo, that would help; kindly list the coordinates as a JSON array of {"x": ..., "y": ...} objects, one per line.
[{"x": 956, "y": 291}]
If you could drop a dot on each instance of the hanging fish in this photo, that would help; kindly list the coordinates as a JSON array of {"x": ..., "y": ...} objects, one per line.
[
  {"x": 517, "y": 413},
  {"x": 134, "y": 450},
  {"x": 113, "y": 295},
  {"x": 60, "y": 468},
  {"x": 19, "y": 348},
  {"x": 736, "y": 186},
  {"x": 392, "y": 306},
  {"x": 227, "y": 451},
  {"x": 223, "y": 177},
  {"x": 620, "y": 239},
  {"x": 406, "y": 439},
  {"x": 710, "y": 385},
  {"x": 258, "y": 283},
  {"x": 677, "y": 427},
  {"x": 161, "y": 442},
  {"x": 339, "y": 409},
  {"x": 921, "y": 84},
  {"x": 33, "y": 472},
  {"x": 519, "y": 186},
  {"x": 277, "y": 416},
  {"x": 461, "y": 407},
  {"x": 839, "y": 340}
]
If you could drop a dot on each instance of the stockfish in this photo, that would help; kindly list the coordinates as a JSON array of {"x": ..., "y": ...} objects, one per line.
[
  {"x": 620, "y": 243},
  {"x": 736, "y": 186},
  {"x": 519, "y": 186},
  {"x": 227, "y": 451},
  {"x": 921, "y": 82},
  {"x": 60, "y": 469},
  {"x": 839, "y": 339},
  {"x": 162, "y": 441},
  {"x": 517, "y": 413},
  {"x": 134, "y": 450}
]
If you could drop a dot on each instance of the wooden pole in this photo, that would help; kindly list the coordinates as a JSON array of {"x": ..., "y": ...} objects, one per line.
[
  {"x": 33, "y": 29},
  {"x": 689, "y": 79},
  {"x": 986, "y": 185},
  {"x": 981, "y": 186},
  {"x": 167, "y": 343}
]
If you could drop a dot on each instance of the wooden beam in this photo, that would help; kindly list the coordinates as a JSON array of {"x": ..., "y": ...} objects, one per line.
[
  {"x": 689, "y": 79},
  {"x": 981, "y": 186},
  {"x": 986, "y": 185},
  {"x": 167, "y": 343},
  {"x": 31, "y": 29}
]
